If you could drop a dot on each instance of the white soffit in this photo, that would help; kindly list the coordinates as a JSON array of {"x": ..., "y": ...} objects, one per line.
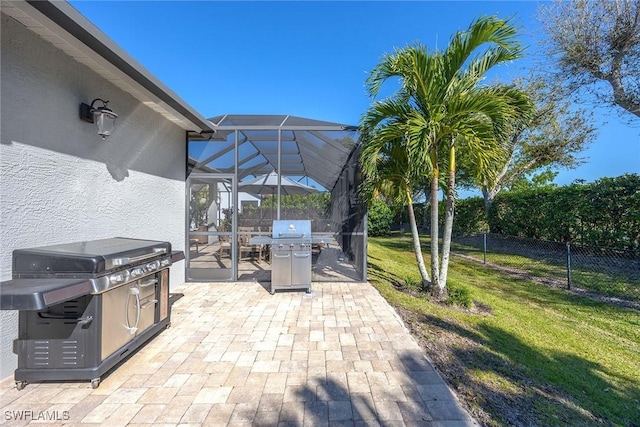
[{"x": 49, "y": 30}]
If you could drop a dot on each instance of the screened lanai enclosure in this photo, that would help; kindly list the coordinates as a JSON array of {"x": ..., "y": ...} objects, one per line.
[{"x": 254, "y": 169}]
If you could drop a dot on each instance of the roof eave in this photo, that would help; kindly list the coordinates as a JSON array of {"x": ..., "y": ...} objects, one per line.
[{"x": 62, "y": 25}]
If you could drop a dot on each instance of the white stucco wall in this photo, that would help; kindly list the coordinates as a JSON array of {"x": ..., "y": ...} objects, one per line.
[{"x": 60, "y": 182}]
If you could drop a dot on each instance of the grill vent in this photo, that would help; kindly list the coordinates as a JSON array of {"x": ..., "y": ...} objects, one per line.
[
  {"x": 54, "y": 339},
  {"x": 41, "y": 353},
  {"x": 58, "y": 353},
  {"x": 70, "y": 353}
]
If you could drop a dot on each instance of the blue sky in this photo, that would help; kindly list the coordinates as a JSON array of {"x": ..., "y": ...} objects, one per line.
[{"x": 311, "y": 59}]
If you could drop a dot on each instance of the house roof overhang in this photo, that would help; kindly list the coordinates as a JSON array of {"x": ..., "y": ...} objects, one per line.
[
  {"x": 321, "y": 148},
  {"x": 64, "y": 27}
]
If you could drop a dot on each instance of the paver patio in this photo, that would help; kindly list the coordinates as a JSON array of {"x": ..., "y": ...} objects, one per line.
[{"x": 236, "y": 355}]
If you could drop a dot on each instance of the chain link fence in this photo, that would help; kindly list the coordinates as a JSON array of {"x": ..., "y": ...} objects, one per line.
[{"x": 595, "y": 270}]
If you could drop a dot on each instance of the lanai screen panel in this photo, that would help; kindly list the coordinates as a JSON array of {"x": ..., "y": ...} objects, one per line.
[{"x": 349, "y": 215}]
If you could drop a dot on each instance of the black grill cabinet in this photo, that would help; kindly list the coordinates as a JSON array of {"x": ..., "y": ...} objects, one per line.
[{"x": 86, "y": 306}]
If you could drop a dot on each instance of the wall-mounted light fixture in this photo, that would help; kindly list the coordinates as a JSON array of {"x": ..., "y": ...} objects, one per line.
[{"x": 102, "y": 116}]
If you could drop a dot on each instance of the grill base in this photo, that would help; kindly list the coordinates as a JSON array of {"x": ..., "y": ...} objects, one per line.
[
  {"x": 76, "y": 339},
  {"x": 54, "y": 338},
  {"x": 93, "y": 369},
  {"x": 290, "y": 267}
]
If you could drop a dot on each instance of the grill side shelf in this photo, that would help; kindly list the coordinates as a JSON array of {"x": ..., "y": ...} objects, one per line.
[
  {"x": 38, "y": 294},
  {"x": 177, "y": 256}
]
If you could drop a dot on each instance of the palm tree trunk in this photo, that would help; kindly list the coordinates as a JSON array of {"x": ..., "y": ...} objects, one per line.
[
  {"x": 448, "y": 221},
  {"x": 435, "y": 258},
  {"x": 488, "y": 199},
  {"x": 417, "y": 248}
]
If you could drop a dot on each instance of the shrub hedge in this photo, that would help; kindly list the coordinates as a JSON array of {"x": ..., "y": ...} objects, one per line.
[
  {"x": 380, "y": 217},
  {"x": 605, "y": 213},
  {"x": 470, "y": 217},
  {"x": 601, "y": 214}
]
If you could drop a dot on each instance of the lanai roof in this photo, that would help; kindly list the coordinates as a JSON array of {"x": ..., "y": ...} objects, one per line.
[{"x": 312, "y": 148}]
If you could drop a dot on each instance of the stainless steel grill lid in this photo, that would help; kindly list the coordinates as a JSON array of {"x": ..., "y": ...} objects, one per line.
[
  {"x": 47, "y": 275},
  {"x": 89, "y": 258},
  {"x": 296, "y": 229}
]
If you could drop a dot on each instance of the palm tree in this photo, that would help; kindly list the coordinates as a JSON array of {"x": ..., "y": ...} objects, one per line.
[
  {"x": 390, "y": 174},
  {"x": 441, "y": 108}
]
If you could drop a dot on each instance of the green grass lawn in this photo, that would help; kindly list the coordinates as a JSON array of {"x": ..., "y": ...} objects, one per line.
[
  {"x": 527, "y": 354},
  {"x": 614, "y": 282}
]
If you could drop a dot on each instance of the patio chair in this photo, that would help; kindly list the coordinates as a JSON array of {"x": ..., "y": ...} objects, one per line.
[
  {"x": 225, "y": 246},
  {"x": 244, "y": 247}
]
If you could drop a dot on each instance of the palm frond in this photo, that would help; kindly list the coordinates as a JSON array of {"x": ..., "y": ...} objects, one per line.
[
  {"x": 442, "y": 104},
  {"x": 485, "y": 30}
]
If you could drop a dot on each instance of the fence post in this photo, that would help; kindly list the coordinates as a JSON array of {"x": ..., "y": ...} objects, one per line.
[
  {"x": 568, "y": 265},
  {"x": 484, "y": 248}
]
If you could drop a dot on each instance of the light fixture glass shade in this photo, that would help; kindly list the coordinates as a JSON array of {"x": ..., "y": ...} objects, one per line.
[{"x": 105, "y": 120}]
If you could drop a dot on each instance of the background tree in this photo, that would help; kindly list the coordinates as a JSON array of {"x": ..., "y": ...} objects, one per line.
[
  {"x": 553, "y": 137},
  {"x": 597, "y": 40},
  {"x": 441, "y": 109},
  {"x": 537, "y": 180}
]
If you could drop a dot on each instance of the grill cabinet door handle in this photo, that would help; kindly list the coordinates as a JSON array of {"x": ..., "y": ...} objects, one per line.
[
  {"x": 78, "y": 320},
  {"x": 133, "y": 291},
  {"x": 148, "y": 283},
  {"x": 149, "y": 303},
  {"x": 280, "y": 256},
  {"x": 85, "y": 320}
]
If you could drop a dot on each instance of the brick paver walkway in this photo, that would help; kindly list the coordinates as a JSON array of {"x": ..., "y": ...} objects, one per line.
[{"x": 236, "y": 355}]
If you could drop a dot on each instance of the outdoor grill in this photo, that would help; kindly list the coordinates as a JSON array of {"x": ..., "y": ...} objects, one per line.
[
  {"x": 84, "y": 307},
  {"x": 291, "y": 255}
]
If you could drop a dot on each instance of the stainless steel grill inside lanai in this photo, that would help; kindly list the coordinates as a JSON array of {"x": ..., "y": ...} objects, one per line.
[{"x": 312, "y": 154}]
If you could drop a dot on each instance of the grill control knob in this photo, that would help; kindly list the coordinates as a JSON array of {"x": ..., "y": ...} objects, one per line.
[
  {"x": 120, "y": 277},
  {"x": 152, "y": 266},
  {"x": 138, "y": 271}
]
